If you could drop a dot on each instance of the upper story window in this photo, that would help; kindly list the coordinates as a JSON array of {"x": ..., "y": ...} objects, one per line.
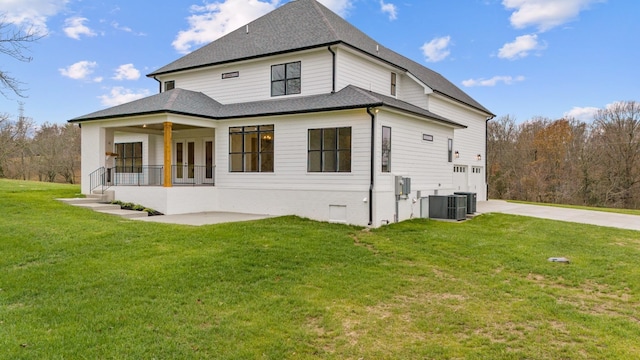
[
  {"x": 169, "y": 85},
  {"x": 129, "y": 159},
  {"x": 386, "y": 149},
  {"x": 329, "y": 150},
  {"x": 393, "y": 84},
  {"x": 251, "y": 148},
  {"x": 285, "y": 79}
]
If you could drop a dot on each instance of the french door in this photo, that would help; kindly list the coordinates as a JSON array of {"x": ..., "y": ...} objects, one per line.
[{"x": 185, "y": 161}]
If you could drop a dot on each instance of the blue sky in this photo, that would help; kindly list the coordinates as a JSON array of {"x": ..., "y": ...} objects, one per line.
[{"x": 523, "y": 58}]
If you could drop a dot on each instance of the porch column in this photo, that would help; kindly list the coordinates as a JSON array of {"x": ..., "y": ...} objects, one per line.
[{"x": 167, "y": 154}]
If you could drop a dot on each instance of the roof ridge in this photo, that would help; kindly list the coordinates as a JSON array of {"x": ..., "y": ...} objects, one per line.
[
  {"x": 367, "y": 93},
  {"x": 316, "y": 5},
  {"x": 172, "y": 98}
]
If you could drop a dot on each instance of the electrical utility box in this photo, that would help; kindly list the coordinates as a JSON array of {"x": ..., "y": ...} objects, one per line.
[{"x": 403, "y": 186}]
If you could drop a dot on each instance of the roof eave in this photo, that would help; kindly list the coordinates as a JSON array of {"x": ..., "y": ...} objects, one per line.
[
  {"x": 145, "y": 113},
  {"x": 154, "y": 74}
]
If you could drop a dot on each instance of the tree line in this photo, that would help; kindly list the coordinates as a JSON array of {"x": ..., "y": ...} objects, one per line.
[
  {"x": 567, "y": 161},
  {"x": 49, "y": 152}
]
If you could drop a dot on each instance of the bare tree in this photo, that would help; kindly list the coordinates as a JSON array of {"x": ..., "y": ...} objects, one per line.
[
  {"x": 56, "y": 152},
  {"x": 14, "y": 42},
  {"x": 617, "y": 134}
]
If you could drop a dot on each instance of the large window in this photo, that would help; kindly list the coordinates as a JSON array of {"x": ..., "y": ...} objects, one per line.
[
  {"x": 251, "y": 148},
  {"x": 285, "y": 79},
  {"x": 386, "y": 149},
  {"x": 329, "y": 150},
  {"x": 129, "y": 159}
]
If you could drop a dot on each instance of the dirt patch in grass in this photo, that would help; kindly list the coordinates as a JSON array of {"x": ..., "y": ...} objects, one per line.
[{"x": 591, "y": 297}]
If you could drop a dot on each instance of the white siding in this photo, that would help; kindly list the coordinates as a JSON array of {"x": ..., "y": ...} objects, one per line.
[
  {"x": 412, "y": 92},
  {"x": 425, "y": 162},
  {"x": 468, "y": 142},
  {"x": 290, "y": 152},
  {"x": 362, "y": 72},
  {"x": 254, "y": 80}
]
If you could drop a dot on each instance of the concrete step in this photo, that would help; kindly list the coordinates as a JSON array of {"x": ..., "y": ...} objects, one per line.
[
  {"x": 98, "y": 206},
  {"x": 79, "y": 201},
  {"x": 129, "y": 214}
]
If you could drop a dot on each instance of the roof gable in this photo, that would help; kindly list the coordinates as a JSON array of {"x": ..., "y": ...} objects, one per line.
[{"x": 305, "y": 24}]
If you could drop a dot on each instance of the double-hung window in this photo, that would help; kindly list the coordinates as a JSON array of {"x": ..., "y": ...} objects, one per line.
[
  {"x": 329, "y": 150},
  {"x": 393, "y": 84},
  {"x": 251, "y": 148},
  {"x": 286, "y": 79},
  {"x": 129, "y": 159}
]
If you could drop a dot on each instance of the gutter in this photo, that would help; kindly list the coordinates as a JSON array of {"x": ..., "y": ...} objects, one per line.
[{"x": 372, "y": 168}]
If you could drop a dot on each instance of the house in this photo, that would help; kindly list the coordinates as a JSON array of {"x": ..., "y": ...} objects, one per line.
[{"x": 298, "y": 112}]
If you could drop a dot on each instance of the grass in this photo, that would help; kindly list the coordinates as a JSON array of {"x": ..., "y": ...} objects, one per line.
[
  {"x": 79, "y": 284},
  {"x": 590, "y": 208}
]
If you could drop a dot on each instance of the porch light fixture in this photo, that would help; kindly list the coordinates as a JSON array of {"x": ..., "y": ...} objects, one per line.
[
  {"x": 457, "y": 154},
  {"x": 479, "y": 157}
]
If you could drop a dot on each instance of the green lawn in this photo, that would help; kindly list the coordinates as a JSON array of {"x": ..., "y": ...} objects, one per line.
[{"x": 75, "y": 284}]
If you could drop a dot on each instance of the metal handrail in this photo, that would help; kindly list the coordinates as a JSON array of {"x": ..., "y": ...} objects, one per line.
[
  {"x": 148, "y": 175},
  {"x": 189, "y": 174},
  {"x": 152, "y": 175},
  {"x": 99, "y": 178}
]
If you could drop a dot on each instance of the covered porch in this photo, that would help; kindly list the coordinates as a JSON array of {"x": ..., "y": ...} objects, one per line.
[{"x": 161, "y": 150}]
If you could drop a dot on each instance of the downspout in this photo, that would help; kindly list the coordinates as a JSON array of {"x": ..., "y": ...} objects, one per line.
[
  {"x": 333, "y": 72},
  {"x": 486, "y": 156},
  {"x": 159, "y": 84},
  {"x": 372, "y": 169}
]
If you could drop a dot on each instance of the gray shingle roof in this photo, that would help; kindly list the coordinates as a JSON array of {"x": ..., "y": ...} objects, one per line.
[
  {"x": 186, "y": 102},
  {"x": 306, "y": 24}
]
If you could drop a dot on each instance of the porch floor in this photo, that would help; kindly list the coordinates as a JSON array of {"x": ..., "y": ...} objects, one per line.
[{"x": 203, "y": 218}]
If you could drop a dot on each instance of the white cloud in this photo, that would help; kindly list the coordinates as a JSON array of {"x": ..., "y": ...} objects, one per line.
[
  {"x": 74, "y": 27},
  {"x": 126, "y": 72},
  {"x": 340, "y": 7},
  {"x": 117, "y": 26},
  {"x": 120, "y": 95},
  {"x": 31, "y": 14},
  {"x": 80, "y": 70},
  {"x": 437, "y": 49},
  {"x": 389, "y": 9},
  {"x": 585, "y": 114},
  {"x": 508, "y": 80},
  {"x": 520, "y": 47},
  {"x": 211, "y": 21},
  {"x": 544, "y": 14}
]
